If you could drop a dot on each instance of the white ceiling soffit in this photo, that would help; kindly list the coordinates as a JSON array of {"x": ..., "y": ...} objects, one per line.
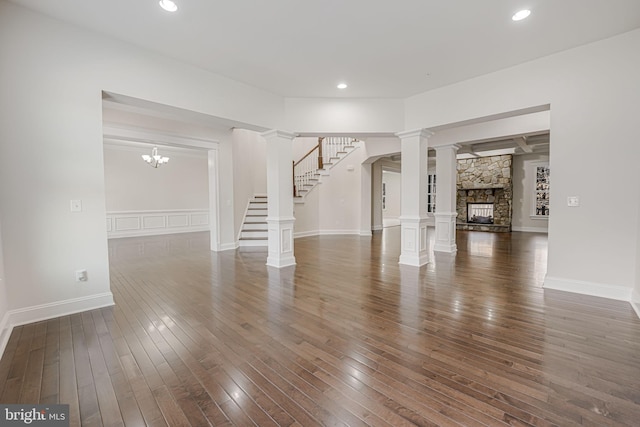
[
  {"x": 122, "y": 107},
  {"x": 380, "y": 48}
]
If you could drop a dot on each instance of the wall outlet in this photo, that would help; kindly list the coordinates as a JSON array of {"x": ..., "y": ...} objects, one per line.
[{"x": 81, "y": 276}]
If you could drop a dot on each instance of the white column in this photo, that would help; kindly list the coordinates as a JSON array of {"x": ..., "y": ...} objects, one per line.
[
  {"x": 446, "y": 175},
  {"x": 214, "y": 212},
  {"x": 280, "y": 198},
  {"x": 413, "y": 212},
  {"x": 376, "y": 196},
  {"x": 365, "y": 200}
]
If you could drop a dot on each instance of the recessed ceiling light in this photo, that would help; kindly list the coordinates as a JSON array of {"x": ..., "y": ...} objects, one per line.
[
  {"x": 342, "y": 86},
  {"x": 520, "y": 15},
  {"x": 168, "y": 5}
]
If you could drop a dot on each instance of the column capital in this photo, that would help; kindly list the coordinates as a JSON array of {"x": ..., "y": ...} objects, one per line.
[
  {"x": 455, "y": 147},
  {"x": 277, "y": 133},
  {"x": 423, "y": 133}
]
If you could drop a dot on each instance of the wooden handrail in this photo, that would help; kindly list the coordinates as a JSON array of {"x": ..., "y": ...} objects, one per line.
[
  {"x": 306, "y": 171},
  {"x": 317, "y": 147},
  {"x": 293, "y": 176},
  {"x": 320, "y": 161}
]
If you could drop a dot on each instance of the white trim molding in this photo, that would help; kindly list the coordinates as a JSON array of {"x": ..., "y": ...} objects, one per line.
[
  {"x": 603, "y": 290},
  {"x": 530, "y": 229},
  {"x": 414, "y": 242},
  {"x": 151, "y": 223},
  {"x": 5, "y": 332},
  {"x": 37, "y": 313},
  {"x": 635, "y": 301}
]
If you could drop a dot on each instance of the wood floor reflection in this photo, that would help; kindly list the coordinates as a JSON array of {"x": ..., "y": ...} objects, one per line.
[{"x": 346, "y": 337}]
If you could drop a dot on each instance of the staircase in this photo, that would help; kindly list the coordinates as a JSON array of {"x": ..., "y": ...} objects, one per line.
[
  {"x": 307, "y": 171},
  {"x": 254, "y": 228}
]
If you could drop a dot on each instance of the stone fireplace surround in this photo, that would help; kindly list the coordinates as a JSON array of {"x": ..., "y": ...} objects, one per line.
[{"x": 485, "y": 180}]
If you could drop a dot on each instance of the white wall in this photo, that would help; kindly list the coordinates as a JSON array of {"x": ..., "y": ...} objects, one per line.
[
  {"x": 350, "y": 116},
  {"x": 524, "y": 179},
  {"x": 249, "y": 171},
  {"x": 302, "y": 145},
  {"x": 594, "y": 92},
  {"x": 51, "y": 79},
  {"x": 307, "y": 215},
  {"x": 392, "y": 182},
  {"x": 132, "y": 185},
  {"x": 340, "y": 196},
  {"x": 334, "y": 206}
]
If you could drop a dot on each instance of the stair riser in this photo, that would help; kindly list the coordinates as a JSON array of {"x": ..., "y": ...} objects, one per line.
[
  {"x": 259, "y": 226},
  {"x": 254, "y": 234}
]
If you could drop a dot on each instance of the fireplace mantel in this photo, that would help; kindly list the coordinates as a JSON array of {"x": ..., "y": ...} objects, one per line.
[{"x": 484, "y": 187}]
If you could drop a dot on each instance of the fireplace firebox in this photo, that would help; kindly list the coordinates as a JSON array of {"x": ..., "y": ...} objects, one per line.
[{"x": 480, "y": 213}]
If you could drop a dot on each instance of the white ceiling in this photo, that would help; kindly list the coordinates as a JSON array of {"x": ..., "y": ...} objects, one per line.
[{"x": 382, "y": 48}]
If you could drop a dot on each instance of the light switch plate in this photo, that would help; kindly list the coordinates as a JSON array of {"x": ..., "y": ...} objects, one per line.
[
  {"x": 76, "y": 206},
  {"x": 573, "y": 201}
]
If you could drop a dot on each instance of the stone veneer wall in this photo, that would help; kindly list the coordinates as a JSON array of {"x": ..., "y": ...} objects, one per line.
[{"x": 485, "y": 180}]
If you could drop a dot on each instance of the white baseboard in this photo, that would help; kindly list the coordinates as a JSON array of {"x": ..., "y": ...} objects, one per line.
[
  {"x": 253, "y": 243},
  {"x": 602, "y": 290},
  {"x": 377, "y": 227},
  {"x": 339, "y": 232},
  {"x": 158, "y": 232},
  {"x": 37, "y": 313},
  {"x": 229, "y": 246},
  {"x": 635, "y": 301},
  {"x": 5, "y": 332},
  {"x": 306, "y": 234},
  {"x": 330, "y": 233},
  {"x": 530, "y": 229}
]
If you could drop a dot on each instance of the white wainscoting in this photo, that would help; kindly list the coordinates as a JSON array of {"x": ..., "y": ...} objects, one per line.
[{"x": 150, "y": 223}]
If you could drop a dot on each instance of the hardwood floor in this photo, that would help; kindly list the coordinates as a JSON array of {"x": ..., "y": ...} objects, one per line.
[{"x": 347, "y": 337}]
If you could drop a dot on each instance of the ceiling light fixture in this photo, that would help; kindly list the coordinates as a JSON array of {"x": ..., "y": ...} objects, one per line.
[
  {"x": 154, "y": 160},
  {"x": 342, "y": 86},
  {"x": 520, "y": 15},
  {"x": 168, "y": 5}
]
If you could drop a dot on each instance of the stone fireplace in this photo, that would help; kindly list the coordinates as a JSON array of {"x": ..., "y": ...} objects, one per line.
[{"x": 484, "y": 195}]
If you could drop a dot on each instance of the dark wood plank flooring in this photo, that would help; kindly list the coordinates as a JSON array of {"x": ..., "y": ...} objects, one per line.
[{"x": 346, "y": 338}]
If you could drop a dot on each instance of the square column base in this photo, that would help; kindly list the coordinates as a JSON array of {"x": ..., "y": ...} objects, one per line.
[
  {"x": 445, "y": 232},
  {"x": 414, "y": 248},
  {"x": 280, "y": 234}
]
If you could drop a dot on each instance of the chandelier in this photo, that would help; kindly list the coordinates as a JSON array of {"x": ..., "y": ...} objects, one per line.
[{"x": 154, "y": 160}]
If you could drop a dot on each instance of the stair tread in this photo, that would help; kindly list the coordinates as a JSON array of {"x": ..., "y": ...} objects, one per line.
[{"x": 253, "y": 238}]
